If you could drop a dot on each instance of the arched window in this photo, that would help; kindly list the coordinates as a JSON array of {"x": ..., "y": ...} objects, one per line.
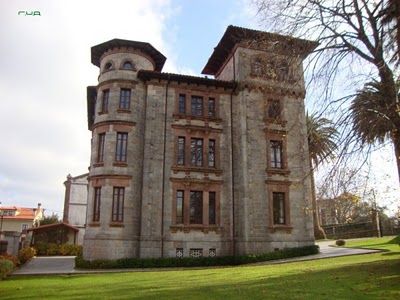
[
  {"x": 127, "y": 65},
  {"x": 108, "y": 66}
]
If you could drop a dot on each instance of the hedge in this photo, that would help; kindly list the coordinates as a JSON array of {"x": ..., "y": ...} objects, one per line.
[
  {"x": 194, "y": 262},
  {"x": 49, "y": 249}
]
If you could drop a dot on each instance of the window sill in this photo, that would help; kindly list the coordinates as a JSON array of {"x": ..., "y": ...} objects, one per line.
[
  {"x": 278, "y": 121},
  {"x": 276, "y": 171},
  {"x": 94, "y": 224},
  {"x": 120, "y": 164},
  {"x": 202, "y": 118},
  {"x": 102, "y": 113},
  {"x": 125, "y": 111},
  {"x": 99, "y": 164},
  {"x": 285, "y": 228},
  {"x": 117, "y": 224},
  {"x": 177, "y": 168},
  {"x": 195, "y": 227}
]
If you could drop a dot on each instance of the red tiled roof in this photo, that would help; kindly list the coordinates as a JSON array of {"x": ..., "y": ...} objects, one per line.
[{"x": 24, "y": 213}]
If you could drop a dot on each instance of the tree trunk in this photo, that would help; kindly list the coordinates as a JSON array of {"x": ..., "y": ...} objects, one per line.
[
  {"x": 396, "y": 144},
  {"x": 319, "y": 232}
]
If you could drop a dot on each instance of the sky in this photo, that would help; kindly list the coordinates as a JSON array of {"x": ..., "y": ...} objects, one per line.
[{"x": 45, "y": 68}]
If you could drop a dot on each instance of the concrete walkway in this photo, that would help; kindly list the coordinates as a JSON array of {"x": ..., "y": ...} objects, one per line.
[{"x": 65, "y": 264}]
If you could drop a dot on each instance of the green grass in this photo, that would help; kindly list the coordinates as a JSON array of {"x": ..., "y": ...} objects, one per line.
[{"x": 371, "y": 276}]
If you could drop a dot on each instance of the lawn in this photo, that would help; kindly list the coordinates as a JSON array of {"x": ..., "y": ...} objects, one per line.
[{"x": 371, "y": 276}]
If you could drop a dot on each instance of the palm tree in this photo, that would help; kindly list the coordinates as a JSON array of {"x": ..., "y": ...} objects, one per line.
[
  {"x": 376, "y": 116},
  {"x": 321, "y": 136}
]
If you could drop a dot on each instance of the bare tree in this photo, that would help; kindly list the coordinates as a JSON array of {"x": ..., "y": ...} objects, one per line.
[{"x": 352, "y": 36}]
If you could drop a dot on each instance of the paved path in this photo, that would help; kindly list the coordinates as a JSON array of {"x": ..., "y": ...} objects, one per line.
[
  {"x": 66, "y": 264},
  {"x": 48, "y": 265}
]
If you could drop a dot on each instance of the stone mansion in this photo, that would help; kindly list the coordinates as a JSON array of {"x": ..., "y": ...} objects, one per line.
[{"x": 193, "y": 166}]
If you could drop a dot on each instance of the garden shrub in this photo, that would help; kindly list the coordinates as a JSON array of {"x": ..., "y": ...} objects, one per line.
[
  {"x": 193, "y": 262},
  {"x": 50, "y": 249},
  {"x": 340, "y": 243},
  {"x": 11, "y": 258},
  {"x": 25, "y": 254},
  {"x": 6, "y": 267}
]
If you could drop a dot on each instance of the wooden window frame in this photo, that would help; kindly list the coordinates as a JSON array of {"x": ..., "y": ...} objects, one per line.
[
  {"x": 117, "y": 214},
  {"x": 198, "y": 134},
  {"x": 197, "y": 106},
  {"x": 276, "y": 154},
  {"x": 96, "y": 204},
  {"x": 275, "y": 186},
  {"x": 196, "y": 152},
  {"x": 188, "y": 95},
  {"x": 101, "y": 138},
  {"x": 182, "y": 105},
  {"x": 181, "y": 152},
  {"x": 121, "y": 147},
  {"x": 196, "y": 196},
  {"x": 125, "y": 95},
  {"x": 180, "y": 211},
  {"x": 277, "y": 135},
  {"x": 187, "y": 187},
  {"x": 105, "y": 99}
]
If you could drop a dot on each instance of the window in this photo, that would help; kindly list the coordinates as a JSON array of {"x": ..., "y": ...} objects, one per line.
[
  {"x": 274, "y": 109},
  {"x": 182, "y": 104},
  {"x": 179, "y": 206},
  {"x": 125, "y": 99},
  {"x": 196, "y": 207},
  {"x": 181, "y": 151},
  {"x": 279, "y": 216},
  {"x": 212, "y": 252},
  {"x": 100, "y": 147},
  {"x": 104, "y": 101},
  {"x": 196, "y": 252},
  {"x": 196, "y": 150},
  {"x": 96, "y": 204},
  {"x": 211, "y": 153},
  {"x": 211, "y": 208},
  {"x": 121, "y": 149},
  {"x": 211, "y": 107},
  {"x": 24, "y": 228},
  {"x": 127, "y": 65},
  {"x": 179, "y": 252},
  {"x": 108, "y": 66},
  {"x": 9, "y": 213},
  {"x": 118, "y": 204},
  {"x": 276, "y": 154},
  {"x": 197, "y": 106}
]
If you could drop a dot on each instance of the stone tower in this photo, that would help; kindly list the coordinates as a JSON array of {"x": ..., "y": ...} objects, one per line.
[
  {"x": 116, "y": 112},
  {"x": 270, "y": 150},
  {"x": 192, "y": 166}
]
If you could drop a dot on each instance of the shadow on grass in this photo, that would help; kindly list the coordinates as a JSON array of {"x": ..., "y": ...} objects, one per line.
[{"x": 378, "y": 280}]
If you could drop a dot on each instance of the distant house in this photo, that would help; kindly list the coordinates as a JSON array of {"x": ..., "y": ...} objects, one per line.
[
  {"x": 14, "y": 223},
  {"x": 75, "y": 204},
  {"x": 327, "y": 211}
]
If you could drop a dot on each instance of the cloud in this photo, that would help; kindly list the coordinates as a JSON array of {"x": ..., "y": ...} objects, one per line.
[{"x": 44, "y": 70}]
